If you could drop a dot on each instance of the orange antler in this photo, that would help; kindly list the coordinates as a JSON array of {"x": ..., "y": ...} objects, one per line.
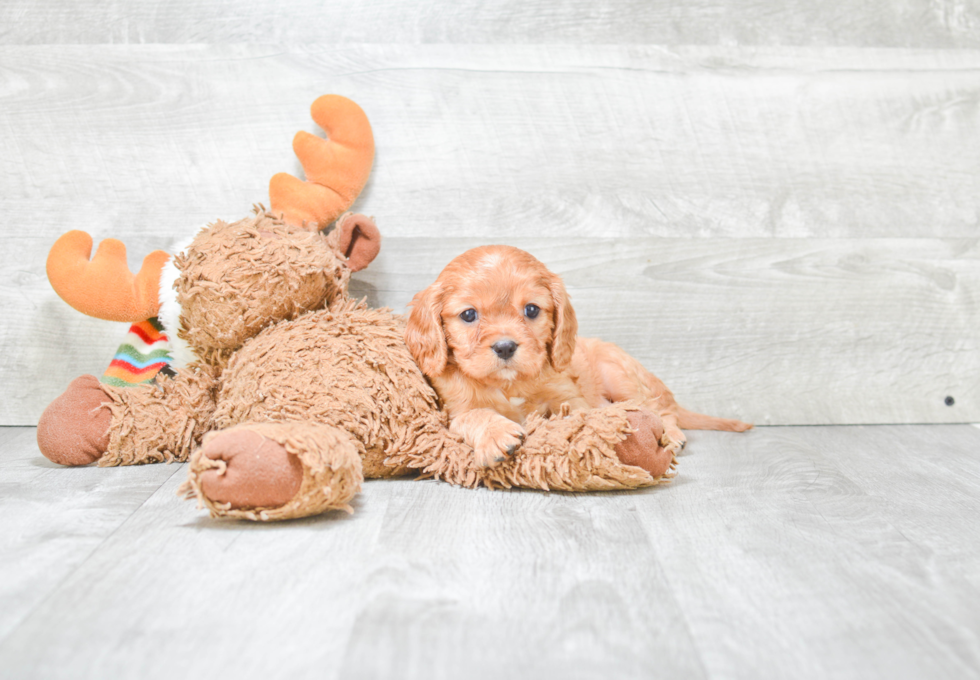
[
  {"x": 336, "y": 168},
  {"x": 104, "y": 288}
]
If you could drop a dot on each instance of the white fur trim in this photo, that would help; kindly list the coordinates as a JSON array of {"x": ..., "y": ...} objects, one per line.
[{"x": 169, "y": 313}]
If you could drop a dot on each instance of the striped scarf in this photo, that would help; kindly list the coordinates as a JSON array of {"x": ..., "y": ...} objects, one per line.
[{"x": 145, "y": 352}]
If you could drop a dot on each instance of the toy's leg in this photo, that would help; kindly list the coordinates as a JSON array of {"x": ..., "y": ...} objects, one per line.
[
  {"x": 272, "y": 471},
  {"x": 432, "y": 449},
  {"x": 74, "y": 428},
  {"x": 613, "y": 447},
  {"x": 643, "y": 446},
  {"x": 94, "y": 422},
  {"x": 162, "y": 421}
]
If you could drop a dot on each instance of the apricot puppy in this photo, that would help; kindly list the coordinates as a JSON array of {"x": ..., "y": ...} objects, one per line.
[{"x": 496, "y": 335}]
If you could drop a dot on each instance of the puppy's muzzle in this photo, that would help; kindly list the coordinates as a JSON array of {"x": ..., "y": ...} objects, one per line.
[{"x": 504, "y": 349}]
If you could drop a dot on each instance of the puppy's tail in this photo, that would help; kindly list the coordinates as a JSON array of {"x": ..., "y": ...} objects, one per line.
[{"x": 689, "y": 420}]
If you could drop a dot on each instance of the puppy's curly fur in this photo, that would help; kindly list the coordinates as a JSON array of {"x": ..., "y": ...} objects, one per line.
[{"x": 496, "y": 335}]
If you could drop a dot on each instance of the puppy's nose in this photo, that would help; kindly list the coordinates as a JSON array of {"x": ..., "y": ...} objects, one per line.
[{"x": 504, "y": 349}]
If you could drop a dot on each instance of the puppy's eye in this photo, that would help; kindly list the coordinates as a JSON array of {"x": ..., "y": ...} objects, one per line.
[
  {"x": 469, "y": 315},
  {"x": 531, "y": 311}
]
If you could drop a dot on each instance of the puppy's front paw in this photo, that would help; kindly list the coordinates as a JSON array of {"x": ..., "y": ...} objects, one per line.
[
  {"x": 673, "y": 440},
  {"x": 497, "y": 442},
  {"x": 492, "y": 436}
]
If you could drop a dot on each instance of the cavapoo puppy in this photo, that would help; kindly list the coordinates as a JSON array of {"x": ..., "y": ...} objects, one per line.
[{"x": 496, "y": 335}]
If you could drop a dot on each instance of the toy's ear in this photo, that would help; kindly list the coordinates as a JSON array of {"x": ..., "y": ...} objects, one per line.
[
  {"x": 424, "y": 335},
  {"x": 566, "y": 326},
  {"x": 357, "y": 238}
]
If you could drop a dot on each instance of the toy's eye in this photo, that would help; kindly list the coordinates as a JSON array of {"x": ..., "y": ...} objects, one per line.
[
  {"x": 531, "y": 311},
  {"x": 469, "y": 315}
]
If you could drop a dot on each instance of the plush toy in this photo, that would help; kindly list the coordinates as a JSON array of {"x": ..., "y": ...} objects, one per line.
[{"x": 284, "y": 393}]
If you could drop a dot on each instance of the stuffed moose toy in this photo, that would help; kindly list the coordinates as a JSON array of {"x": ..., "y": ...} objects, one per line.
[{"x": 285, "y": 392}]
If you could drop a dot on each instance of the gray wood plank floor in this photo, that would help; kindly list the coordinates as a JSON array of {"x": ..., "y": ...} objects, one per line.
[{"x": 814, "y": 552}]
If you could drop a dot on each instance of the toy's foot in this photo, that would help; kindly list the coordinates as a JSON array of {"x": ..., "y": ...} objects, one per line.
[
  {"x": 642, "y": 448},
  {"x": 274, "y": 471},
  {"x": 74, "y": 428},
  {"x": 253, "y": 472}
]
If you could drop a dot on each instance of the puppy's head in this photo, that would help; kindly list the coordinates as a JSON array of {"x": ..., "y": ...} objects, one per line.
[{"x": 496, "y": 313}]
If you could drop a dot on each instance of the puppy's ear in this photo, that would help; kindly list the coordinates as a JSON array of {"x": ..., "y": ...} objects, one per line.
[
  {"x": 566, "y": 326},
  {"x": 424, "y": 335}
]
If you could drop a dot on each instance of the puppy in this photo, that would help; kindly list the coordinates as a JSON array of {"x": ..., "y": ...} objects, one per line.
[{"x": 496, "y": 336}]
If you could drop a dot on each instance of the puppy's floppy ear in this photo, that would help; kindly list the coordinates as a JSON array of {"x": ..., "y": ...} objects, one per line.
[
  {"x": 566, "y": 326},
  {"x": 424, "y": 335}
]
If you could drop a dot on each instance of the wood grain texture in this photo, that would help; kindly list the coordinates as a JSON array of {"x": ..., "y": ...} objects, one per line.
[
  {"x": 828, "y": 532},
  {"x": 498, "y": 143},
  {"x": 503, "y": 141},
  {"x": 806, "y": 552},
  {"x": 773, "y": 331},
  {"x": 52, "y": 522},
  {"x": 880, "y": 23}
]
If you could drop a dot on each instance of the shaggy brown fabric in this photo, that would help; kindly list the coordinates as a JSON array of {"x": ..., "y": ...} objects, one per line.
[
  {"x": 162, "y": 421},
  {"x": 74, "y": 428},
  {"x": 347, "y": 366},
  {"x": 236, "y": 279},
  {"x": 569, "y": 451},
  {"x": 331, "y": 465}
]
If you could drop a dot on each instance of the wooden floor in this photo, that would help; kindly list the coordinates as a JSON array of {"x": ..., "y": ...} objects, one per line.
[{"x": 843, "y": 552}]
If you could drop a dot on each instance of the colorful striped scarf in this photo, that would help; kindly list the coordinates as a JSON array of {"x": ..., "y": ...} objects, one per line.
[{"x": 144, "y": 353}]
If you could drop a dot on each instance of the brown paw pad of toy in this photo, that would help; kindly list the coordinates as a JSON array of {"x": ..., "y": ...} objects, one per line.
[
  {"x": 250, "y": 470},
  {"x": 642, "y": 447},
  {"x": 74, "y": 428}
]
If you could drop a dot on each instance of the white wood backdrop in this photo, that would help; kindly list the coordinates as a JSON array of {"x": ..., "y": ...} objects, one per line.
[{"x": 776, "y": 209}]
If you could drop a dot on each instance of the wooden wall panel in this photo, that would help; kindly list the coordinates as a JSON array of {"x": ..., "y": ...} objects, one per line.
[
  {"x": 747, "y": 152},
  {"x": 939, "y": 24},
  {"x": 773, "y": 331},
  {"x": 506, "y": 141}
]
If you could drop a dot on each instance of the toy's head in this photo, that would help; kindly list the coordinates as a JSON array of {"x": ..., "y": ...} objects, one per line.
[{"x": 234, "y": 279}]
